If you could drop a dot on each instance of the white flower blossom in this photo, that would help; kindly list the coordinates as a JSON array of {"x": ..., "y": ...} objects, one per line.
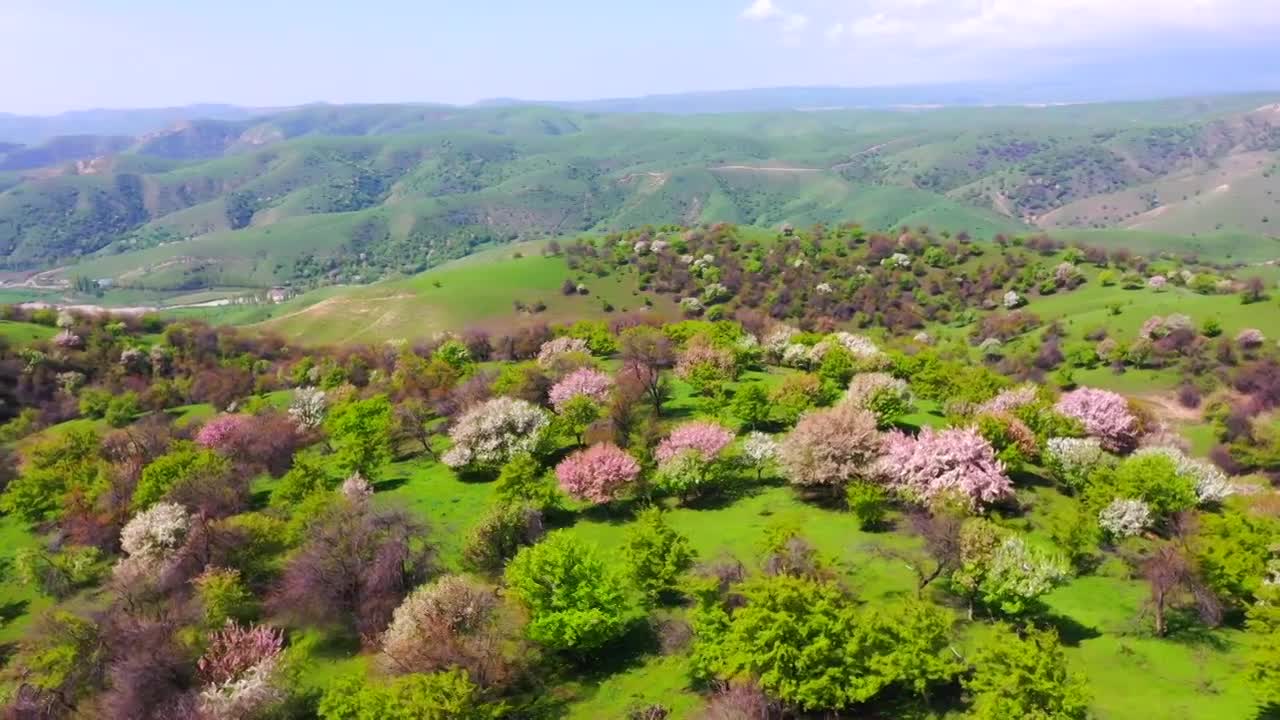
[
  {"x": 1013, "y": 300},
  {"x": 1125, "y": 517},
  {"x": 308, "y": 407},
  {"x": 155, "y": 533},
  {"x": 492, "y": 433}
]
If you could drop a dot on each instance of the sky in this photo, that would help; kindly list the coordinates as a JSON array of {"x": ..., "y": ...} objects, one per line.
[{"x": 61, "y": 55}]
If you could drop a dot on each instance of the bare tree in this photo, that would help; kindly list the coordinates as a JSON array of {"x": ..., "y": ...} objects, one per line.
[{"x": 1172, "y": 577}]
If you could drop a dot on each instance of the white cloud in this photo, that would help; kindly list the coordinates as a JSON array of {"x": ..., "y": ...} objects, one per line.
[
  {"x": 761, "y": 10},
  {"x": 1044, "y": 23},
  {"x": 766, "y": 11}
]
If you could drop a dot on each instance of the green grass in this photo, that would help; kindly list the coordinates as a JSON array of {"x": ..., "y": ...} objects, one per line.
[
  {"x": 22, "y": 333},
  {"x": 474, "y": 292}
]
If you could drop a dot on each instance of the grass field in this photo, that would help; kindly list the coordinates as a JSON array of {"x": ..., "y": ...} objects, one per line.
[{"x": 478, "y": 291}]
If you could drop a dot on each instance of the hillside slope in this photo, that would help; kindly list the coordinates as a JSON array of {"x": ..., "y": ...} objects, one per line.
[{"x": 327, "y": 194}]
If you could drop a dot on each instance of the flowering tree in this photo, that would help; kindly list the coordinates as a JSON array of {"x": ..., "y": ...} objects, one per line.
[
  {"x": 1105, "y": 415},
  {"x": 1211, "y": 483},
  {"x": 1008, "y": 401},
  {"x": 154, "y": 534},
  {"x": 955, "y": 461},
  {"x": 885, "y": 396},
  {"x": 701, "y": 360},
  {"x": 1125, "y": 517},
  {"x": 760, "y": 450},
  {"x": 583, "y": 382},
  {"x": 1072, "y": 460},
  {"x": 830, "y": 447},
  {"x": 241, "y": 672},
  {"x": 448, "y": 623},
  {"x": 598, "y": 474},
  {"x": 308, "y": 407},
  {"x": 705, "y": 438},
  {"x": 691, "y": 458},
  {"x": 554, "y": 350},
  {"x": 1250, "y": 338},
  {"x": 221, "y": 432},
  {"x": 356, "y": 488},
  {"x": 490, "y": 434}
]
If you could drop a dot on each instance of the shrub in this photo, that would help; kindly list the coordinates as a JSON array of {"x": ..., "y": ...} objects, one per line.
[
  {"x": 500, "y": 534},
  {"x": 449, "y": 623},
  {"x": 868, "y": 502}
]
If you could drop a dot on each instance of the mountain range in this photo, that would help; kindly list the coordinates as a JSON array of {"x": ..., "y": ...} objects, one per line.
[{"x": 223, "y": 196}]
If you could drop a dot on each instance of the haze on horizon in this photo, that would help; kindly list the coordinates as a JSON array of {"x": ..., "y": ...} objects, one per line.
[{"x": 78, "y": 54}]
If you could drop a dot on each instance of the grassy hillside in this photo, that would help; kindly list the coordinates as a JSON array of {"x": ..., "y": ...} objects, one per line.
[{"x": 346, "y": 194}]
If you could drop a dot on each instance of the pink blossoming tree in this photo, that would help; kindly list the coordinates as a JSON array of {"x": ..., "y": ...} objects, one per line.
[
  {"x": 830, "y": 448},
  {"x": 1105, "y": 415},
  {"x": 583, "y": 382},
  {"x": 956, "y": 461},
  {"x": 598, "y": 474},
  {"x": 221, "y": 431},
  {"x": 706, "y": 439}
]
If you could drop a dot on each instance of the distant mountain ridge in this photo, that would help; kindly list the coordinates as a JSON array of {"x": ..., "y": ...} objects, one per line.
[{"x": 350, "y": 193}]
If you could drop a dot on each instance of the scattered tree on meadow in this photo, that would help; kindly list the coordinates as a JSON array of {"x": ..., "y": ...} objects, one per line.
[{"x": 576, "y": 601}]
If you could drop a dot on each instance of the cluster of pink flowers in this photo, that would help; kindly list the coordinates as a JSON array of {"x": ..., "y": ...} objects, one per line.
[
  {"x": 240, "y": 670},
  {"x": 584, "y": 382},
  {"x": 1105, "y": 415},
  {"x": 955, "y": 461},
  {"x": 830, "y": 447},
  {"x": 597, "y": 474},
  {"x": 221, "y": 431},
  {"x": 1009, "y": 400},
  {"x": 707, "y": 439},
  {"x": 236, "y": 648},
  {"x": 1250, "y": 338},
  {"x": 555, "y": 348},
  {"x": 701, "y": 353}
]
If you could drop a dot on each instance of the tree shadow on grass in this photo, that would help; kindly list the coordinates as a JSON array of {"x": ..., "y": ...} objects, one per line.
[
  {"x": 1270, "y": 712},
  {"x": 1186, "y": 628},
  {"x": 11, "y": 611},
  {"x": 629, "y": 651},
  {"x": 732, "y": 492},
  {"x": 389, "y": 484},
  {"x": 1071, "y": 631}
]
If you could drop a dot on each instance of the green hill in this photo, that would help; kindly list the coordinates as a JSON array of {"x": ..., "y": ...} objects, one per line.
[{"x": 347, "y": 194}]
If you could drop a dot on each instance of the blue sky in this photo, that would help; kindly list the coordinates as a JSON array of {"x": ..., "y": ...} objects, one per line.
[{"x": 73, "y": 54}]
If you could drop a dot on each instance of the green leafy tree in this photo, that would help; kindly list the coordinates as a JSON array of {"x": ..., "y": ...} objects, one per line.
[
  {"x": 1232, "y": 550},
  {"x": 55, "y": 467},
  {"x": 308, "y": 476},
  {"x": 185, "y": 461},
  {"x": 1263, "y": 622},
  {"x": 122, "y": 409},
  {"x": 94, "y": 402},
  {"x": 64, "y": 657},
  {"x": 1026, "y": 678},
  {"x": 576, "y": 601},
  {"x": 59, "y": 574},
  {"x": 656, "y": 555},
  {"x": 576, "y": 415},
  {"x": 523, "y": 480},
  {"x": 223, "y": 596},
  {"x": 811, "y": 647},
  {"x": 751, "y": 405},
  {"x": 360, "y": 434},
  {"x": 1153, "y": 479},
  {"x": 868, "y": 502},
  {"x": 448, "y": 695}
]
